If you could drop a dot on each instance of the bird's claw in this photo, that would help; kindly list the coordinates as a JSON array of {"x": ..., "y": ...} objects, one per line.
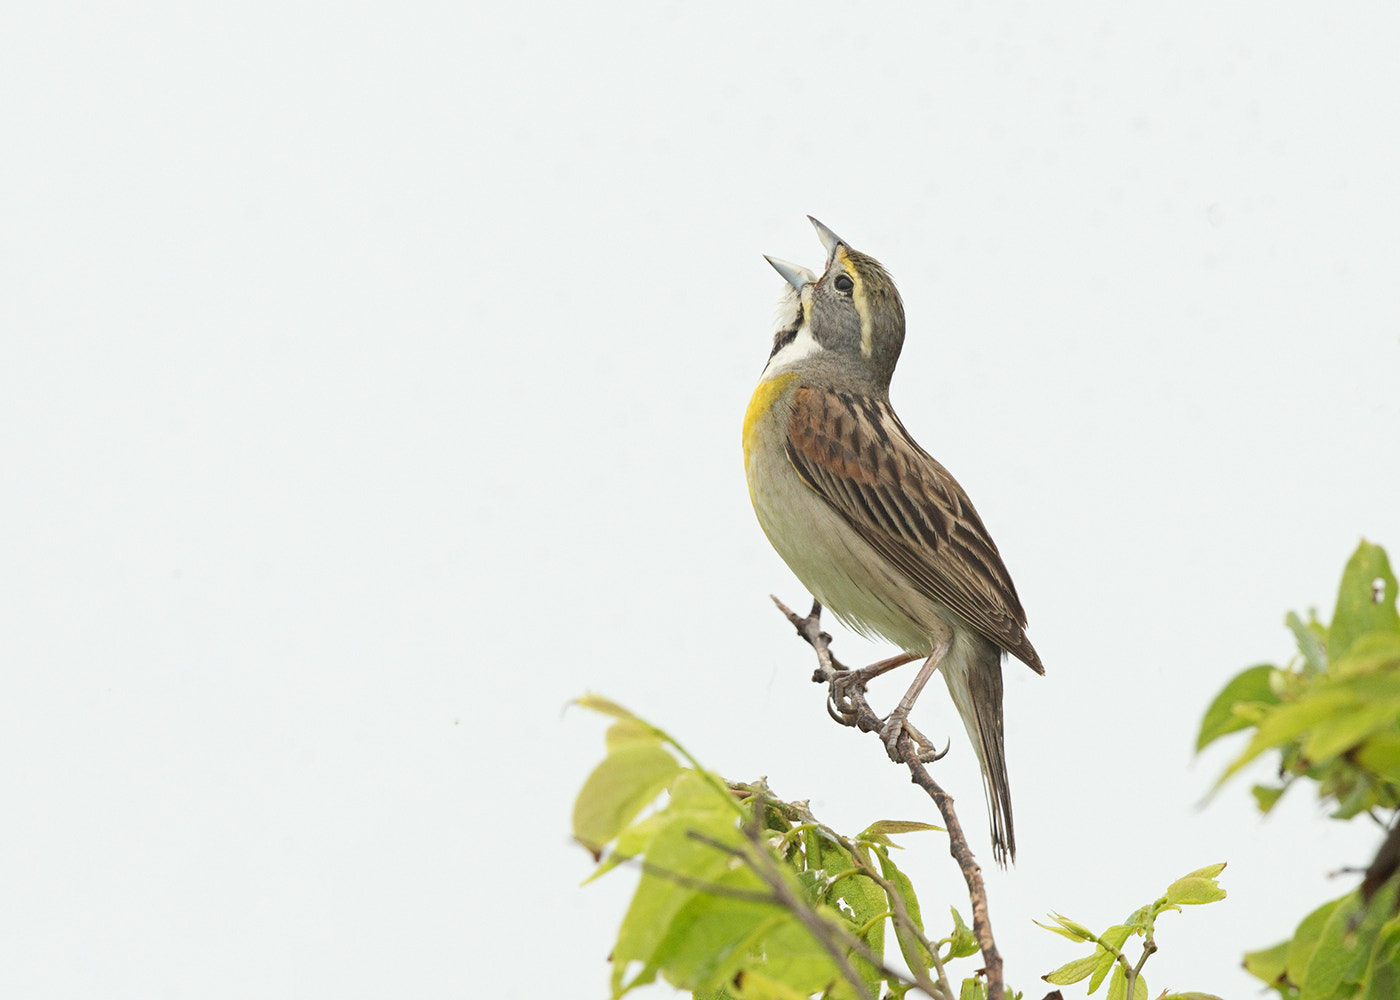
[
  {"x": 924, "y": 748},
  {"x": 839, "y": 704}
]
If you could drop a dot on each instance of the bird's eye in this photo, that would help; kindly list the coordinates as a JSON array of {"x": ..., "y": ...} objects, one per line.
[{"x": 844, "y": 283}]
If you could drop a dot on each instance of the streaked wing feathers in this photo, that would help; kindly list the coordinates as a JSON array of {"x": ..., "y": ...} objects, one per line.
[{"x": 853, "y": 452}]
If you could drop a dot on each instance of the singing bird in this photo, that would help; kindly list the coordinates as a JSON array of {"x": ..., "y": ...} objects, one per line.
[{"x": 875, "y": 528}]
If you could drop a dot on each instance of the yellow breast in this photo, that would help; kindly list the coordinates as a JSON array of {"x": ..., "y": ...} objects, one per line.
[{"x": 761, "y": 402}]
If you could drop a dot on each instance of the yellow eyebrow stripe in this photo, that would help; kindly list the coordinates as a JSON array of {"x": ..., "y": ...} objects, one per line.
[{"x": 858, "y": 298}]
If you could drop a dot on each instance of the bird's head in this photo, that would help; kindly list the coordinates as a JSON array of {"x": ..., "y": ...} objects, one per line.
[{"x": 851, "y": 313}]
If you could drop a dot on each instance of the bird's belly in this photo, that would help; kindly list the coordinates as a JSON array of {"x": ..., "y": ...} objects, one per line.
[{"x": 835, "y": 564}]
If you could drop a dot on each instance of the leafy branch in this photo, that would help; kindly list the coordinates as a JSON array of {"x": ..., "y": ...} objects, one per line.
[
  {"x": 1331, "y": 716},
  {"x": 1125, "y": 979},
  {"x": 743, "y": 895}
]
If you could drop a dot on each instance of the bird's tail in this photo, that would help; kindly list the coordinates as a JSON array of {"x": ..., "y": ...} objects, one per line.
[{"x": 973, "y": 674}]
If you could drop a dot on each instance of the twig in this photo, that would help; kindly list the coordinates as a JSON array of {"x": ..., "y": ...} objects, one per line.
[{"x": 852, "y": 709}]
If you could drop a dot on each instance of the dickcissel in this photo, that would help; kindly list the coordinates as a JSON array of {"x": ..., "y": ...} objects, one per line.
[{"x": 873, "y": 526}]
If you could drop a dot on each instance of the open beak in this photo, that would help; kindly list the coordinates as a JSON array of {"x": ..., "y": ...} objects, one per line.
[
  {"x": 794, "y": 274},
  {"x": 829, "y": 239}
]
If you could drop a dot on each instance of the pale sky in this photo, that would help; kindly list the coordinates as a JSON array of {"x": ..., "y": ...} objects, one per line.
[{"x": 370, "y": 385}]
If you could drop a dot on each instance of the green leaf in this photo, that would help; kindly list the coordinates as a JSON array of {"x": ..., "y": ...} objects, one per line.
[
  {"x": 972, "y": 989},
  {"x": 1196, "y": 888},
  {"x": 1331, "y": 961},
  {"x": 862, "y": 903},
  {"x": 1383, "y": 967},
  {"x": 1381, "y": 755},
  {"x": 1285, "y": 724},
  {"x": 1268, "y": 964},
  {"x": 1110, "y": 946},
  {"x": 1072, "y": 972},
  {"x": 1116, "y": 936},
  {"x": 885, "y": 827},
  {"x": 1371, "y": 653},
  {"x": 1306, "y": 937},
  {"x": 1348, "y": 727},
  {"x": 1359, "y": 608},
  {"x": 1106, "y": 962},
  {"x": 1118, "y": 985},
  {"x": 1068, "y": 928},
  {"x": 711, "y": 937},
  {"x": 620, "y": 787},
  {"x": 678, "y": 866},
  {"x": 1250, "y": 687},
  {"x": 755, "y": 984},
  {"x": 1193, "y": 995},
  {"x": 915, "y": 956},
  {"x": 597, "y": 703},
  {"x": 963, "y": 941},
  {"x": 1267, "y": 796},
  {"x": 630, "y": 732}
]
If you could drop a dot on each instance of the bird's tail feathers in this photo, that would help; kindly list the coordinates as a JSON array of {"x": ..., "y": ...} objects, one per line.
[{"x": 974, "y": 681}]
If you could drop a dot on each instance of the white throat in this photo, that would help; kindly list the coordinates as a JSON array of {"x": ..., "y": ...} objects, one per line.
[{"x": 804, "y": 345}]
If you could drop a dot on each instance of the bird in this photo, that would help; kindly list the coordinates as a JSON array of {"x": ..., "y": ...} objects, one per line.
[{"x": 872, "y": 525}]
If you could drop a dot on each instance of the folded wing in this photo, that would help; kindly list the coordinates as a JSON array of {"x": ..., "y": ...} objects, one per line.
[{"x": 854, "y": 453}]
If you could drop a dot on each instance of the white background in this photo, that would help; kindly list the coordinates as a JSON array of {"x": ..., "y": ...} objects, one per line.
[{"x": 370, "y": 385}]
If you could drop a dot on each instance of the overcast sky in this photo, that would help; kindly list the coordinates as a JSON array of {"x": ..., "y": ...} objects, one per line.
[{"x": 370, "y": 385}]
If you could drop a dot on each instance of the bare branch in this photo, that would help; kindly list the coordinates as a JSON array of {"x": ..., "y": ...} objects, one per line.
[{"x": 846, "y": 703}]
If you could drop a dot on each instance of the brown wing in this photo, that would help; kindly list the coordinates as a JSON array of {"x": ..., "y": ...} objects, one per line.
[{"x": 854, "y": 453}]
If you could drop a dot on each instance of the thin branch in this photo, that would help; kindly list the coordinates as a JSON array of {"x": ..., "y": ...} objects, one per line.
[{"x": 846, "y": 704}]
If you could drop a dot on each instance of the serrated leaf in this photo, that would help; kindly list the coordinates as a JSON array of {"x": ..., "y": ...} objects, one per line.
[
  {"x": 1192, "y": 995},
  {"x": 963, "y": 941},
  {"x": 620, "y": 787},
  {"x": 1358, "y": 609},
  {"x": 1072, "y": 972},
  {"x": 1250, "y": 687}
]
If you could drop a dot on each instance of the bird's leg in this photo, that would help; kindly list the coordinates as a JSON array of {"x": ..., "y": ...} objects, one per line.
[
  {"x": 838, "y": 702},
  {"x": 897, "y": 721}
]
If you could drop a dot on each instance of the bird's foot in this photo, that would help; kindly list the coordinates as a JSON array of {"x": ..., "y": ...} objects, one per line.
[
  {"x": 847, "y": 685},
  {"x": 896, "y": 725},
  {"x": 842, "y": 694}
]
